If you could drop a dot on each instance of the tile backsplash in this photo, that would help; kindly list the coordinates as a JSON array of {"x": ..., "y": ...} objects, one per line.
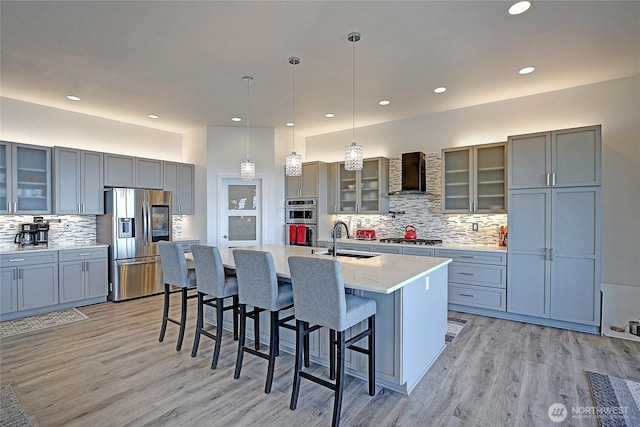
[
  {"x": 425, "y": 212},
  {"x": 82, "y": 228}
]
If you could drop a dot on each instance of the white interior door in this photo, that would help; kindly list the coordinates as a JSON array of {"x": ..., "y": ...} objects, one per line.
[{"x": 240, "y": 213}]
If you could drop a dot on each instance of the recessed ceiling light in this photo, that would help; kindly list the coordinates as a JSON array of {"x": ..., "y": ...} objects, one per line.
[
  {"x": 73, "y": 98},
  {"x": 290, "y": 124},
  {"x": 519, "y": 7},
  {"x": 440, "y": 89},
  {"x": 527, "y": 70},
  {"x": 153, "y": 116},
  {"x": 329, "y": 115},
  {"x": 236, "y": 119},
  {"x": 384, "y": 102}
]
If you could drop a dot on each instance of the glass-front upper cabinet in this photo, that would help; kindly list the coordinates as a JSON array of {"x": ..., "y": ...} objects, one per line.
[
  {"x": 364, "y": 191},
  {"x": 5, "y": 177},
  {"x": 474, "y": 179},
  {"x": 27, "y": 179}
]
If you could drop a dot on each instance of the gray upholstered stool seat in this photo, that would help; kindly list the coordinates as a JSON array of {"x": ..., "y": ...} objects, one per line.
[
  {"x": 258, "y": 286},
  {"x": 218, "y": 285},
  {"x": 320, "y": 301},
  {"x": 175, "y": 273}
]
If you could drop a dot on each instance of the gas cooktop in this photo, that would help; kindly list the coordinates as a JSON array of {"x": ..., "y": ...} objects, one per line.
[{"x": 424, "y": 242}]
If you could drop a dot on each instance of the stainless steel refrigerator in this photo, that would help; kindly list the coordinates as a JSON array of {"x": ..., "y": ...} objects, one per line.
[{"x": 134, "y": 221}]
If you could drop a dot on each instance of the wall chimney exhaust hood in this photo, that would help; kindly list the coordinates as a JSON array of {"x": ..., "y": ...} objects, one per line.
[{"x": 414, "y": 176}]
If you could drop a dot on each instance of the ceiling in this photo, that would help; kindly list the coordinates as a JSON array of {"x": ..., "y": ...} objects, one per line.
[{"x": 184, "y": 60}]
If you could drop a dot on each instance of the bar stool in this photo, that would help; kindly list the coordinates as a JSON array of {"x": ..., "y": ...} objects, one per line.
[
  {"x": 175, "y": 273},
  {"x": 258, "y": 286},
  {"x": 219, "y": 286},
  {"x": 320, "y": 300}
]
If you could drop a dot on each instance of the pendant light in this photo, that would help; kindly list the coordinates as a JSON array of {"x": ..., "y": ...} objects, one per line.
[
  {"x": 293, "y": 163},
  {"x": 353, "y": 153},
  {"x": 248, "y": 168}
]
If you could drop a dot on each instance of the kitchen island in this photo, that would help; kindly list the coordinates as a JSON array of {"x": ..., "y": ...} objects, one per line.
[{"x": 411, "y": 319}]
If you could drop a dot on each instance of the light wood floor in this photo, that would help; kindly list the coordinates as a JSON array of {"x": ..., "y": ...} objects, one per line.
[{"x": 110, "y": 370}]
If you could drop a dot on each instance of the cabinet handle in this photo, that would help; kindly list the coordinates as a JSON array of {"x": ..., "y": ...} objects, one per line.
[
  {"x": 9, "y": 207},
  {"x": 553, "y": 179},
  {"x": 86, "y": 266},
  {"x": 466, "y": 256},
  {"x": 19, "y": 273},
  {"x": 466, "y": 274},
  {"x": 85, "y": 254},
  {"x": 466, "y": 295},
  {"x": 548, "y": 180},
  {"x": 550, "y": 254},
  {"x": 16, "y": 260},
  {"x": 82, "y": 267}
]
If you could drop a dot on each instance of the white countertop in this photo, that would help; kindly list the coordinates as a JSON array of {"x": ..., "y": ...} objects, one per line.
[
  {"x": 384, "y": 274},
  {"x": 455, "y": 246},
  {"x": 12, "y": 248}
]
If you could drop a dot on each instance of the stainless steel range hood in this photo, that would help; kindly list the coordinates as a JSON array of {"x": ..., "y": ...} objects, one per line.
[{"x": 414, "y": 173}]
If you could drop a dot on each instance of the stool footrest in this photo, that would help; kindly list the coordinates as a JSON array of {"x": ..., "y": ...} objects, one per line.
[
  {"x": 318, "y": 380},
  {"x": 357, "y": 338}
]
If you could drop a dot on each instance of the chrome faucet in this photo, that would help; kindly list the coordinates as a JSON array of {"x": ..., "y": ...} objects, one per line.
[{"x": 334, "y": 252}]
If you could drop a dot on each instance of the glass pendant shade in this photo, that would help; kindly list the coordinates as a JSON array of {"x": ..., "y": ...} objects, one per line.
[
  {"x": 353, "y": 153},
  {"x": 247, "y": 170},
  {"x": 353, "y": 157},
  {"x": 293, "y": 164}
]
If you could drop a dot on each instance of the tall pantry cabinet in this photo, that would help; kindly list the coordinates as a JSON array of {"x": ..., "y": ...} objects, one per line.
[{"x": 554, "y": 217}]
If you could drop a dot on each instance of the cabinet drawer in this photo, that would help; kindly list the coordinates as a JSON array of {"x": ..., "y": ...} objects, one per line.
[
  {"x": 26, "y": 258},
  {"x": 480, "y": 257},
  {"x": 87, "y": 253},
  {"x": 477, "y": 296},
  {"x": 418, "y": 251},
  {"x": 476, "y": 274}
]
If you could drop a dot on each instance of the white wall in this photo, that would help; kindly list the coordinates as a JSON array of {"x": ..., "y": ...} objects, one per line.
[
  {"x": 194, "y": 150},
  {"x": 36, "y": 124},
  {"x": 226, "y": 149},
  {"x": 614, "y": 104}
]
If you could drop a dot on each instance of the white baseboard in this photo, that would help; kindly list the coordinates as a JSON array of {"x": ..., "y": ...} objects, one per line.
[{"x": 620, "y": 303}]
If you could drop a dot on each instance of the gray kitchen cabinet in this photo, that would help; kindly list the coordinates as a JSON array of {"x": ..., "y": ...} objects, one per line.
[
  {"x": 83, "y": 274},
  {"x": 476, "y": 278},
  {"x": 560, "y": 158},
  {"x": 25, "y": 179},
  {"x": 149, "y": 173},
  {"x": 119, "y": 171},
  {"x": 78, "y": 181},
  {"x": 364, "y": 191},
  {"x": 387, "y": 249},
  {"x": 8, "y": 290},
  {"x": 132, "y": 172},
  {"x": 179, "y": 178},
  {"x": 37, "y": 286},
  {"x": 308, "y": 185},
  {"x": 474, "y": 179},
  {"x": 554, "y": 254},
  {"x": 417, "y": 251}
]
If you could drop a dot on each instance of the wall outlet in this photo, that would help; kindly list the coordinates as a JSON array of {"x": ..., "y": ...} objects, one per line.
[
  {"x": 67, "y": 226},
  {"x": 474, "y": 226}
]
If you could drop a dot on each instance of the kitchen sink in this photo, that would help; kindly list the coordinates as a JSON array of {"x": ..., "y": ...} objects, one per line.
[{"x": 350, "y": 254}]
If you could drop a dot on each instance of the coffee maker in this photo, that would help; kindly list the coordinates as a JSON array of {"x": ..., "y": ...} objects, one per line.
[
  {"x": 33, "y": 233},
  {"x": 28, "y": 234}
]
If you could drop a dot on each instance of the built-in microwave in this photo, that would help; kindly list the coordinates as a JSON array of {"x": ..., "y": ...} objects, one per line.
[{"x": 301, "y": 212}]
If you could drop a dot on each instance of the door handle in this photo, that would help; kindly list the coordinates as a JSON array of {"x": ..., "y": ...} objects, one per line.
[{"x": 225, "y": 236}]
